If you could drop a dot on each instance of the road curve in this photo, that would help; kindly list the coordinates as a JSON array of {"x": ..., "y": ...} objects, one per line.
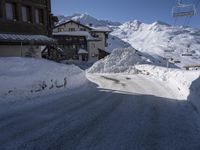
[{"x": 114, "y": 113}]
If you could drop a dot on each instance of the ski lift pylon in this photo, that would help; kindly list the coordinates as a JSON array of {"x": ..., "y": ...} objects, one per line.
[{"x": 183, "y": 10}]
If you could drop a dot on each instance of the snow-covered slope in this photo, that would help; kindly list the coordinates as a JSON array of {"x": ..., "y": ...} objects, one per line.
[
  {"x": 28, "y": 77},
  {"x": 178, "y": 79},
  {"x": 157, "y": 37},
  {"x": 153, "y": 39},
  {"x": 119, "y": 61},
  {"x": 86, "y": 19},
  {"x": 115, "y": 42}
]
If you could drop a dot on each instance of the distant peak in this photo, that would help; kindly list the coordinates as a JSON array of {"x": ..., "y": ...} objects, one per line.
[
  {"x": 136, "y": 21},
  {"x": 160, "y": 23},
  {"x": 79, "y": 14}
]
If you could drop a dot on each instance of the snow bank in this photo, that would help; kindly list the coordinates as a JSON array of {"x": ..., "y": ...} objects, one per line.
[
  {"x": 22, "y": 78},
  {"x": 194, "y": 96},
  {"x": 119, "y": 61},
  {"x": 186, "y": 83}
]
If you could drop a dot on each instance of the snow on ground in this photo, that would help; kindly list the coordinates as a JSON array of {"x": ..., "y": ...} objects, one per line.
[
  {"x": 179, "y": 80},
  {"x": 127, "y": 61},
  {"x": 23, "y": 78},
  {"x": 101, "y": 119},
  {"x": 119, "y": 61}
]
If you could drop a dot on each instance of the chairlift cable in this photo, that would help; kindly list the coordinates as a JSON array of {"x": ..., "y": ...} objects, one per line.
[{"x": 197, "y": 5}]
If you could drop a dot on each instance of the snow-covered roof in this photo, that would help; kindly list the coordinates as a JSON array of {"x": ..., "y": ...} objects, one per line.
[
  {"x": 39, "y": 39},
  {"x": 82, "y": 51},
  {"x": 95, "y": 29},
  {"x": 88, "y": 36}
]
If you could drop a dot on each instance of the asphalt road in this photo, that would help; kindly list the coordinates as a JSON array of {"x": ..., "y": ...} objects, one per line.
[{"x": 114, "y": 113}]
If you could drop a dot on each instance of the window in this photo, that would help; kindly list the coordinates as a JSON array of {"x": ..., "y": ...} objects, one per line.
[
  {"x": 26, "y": 14},
  {"x": 71, "y": 29},
  {"x": 75, "y": 38},
  {"x": 82, "y": 29},
  {"x": 68, "y": 38},
  {"x": 82, "y": 46},
  {"x": 60, "y": 30},
  {"x": 81, "y": 39},
  {"x": 92, "y": 45},
  {"x": 95, "y": 35},
  {"x": 10, "y": 11},
  {"x": 1, "y": 12},
  {"x": 39, "y": 16}
]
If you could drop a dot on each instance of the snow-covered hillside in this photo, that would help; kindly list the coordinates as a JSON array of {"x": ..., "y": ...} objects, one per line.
[
  {"x": 158, "y": 37},
  {"x": 115, "y": 42},
  {"x": 86, "y": 19},
  {"x": 153, "y": 39},
  {"x": 28, "y": 77}
]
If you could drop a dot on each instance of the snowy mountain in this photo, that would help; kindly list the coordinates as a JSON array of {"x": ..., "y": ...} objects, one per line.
[
  {"x": 158, "y": 38},
  {"x": 155, "y": 39},
  {"x": 87, "y": 19}
]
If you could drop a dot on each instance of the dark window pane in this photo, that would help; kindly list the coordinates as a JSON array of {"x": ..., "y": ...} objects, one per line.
[
  {"x": 25, "y": 14},
  {"x": 10, "y": 11},
  {"x": 37, "y": 16}
]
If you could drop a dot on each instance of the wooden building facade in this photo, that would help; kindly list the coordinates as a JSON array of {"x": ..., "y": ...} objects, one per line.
[
  {"x": 81, "y": 42},
  {"x": 25, "y": 25}
]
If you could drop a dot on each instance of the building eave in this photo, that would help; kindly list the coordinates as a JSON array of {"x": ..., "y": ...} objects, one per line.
[
  {"x": 26, "y": 39},
  {"x": 73, "y": 22}
]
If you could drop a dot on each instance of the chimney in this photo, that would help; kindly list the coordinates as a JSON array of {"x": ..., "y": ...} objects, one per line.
[{"x": 90, "y": 24}]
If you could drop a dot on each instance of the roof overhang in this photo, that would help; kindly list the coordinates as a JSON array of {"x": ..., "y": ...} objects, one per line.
[{"x": 26, "y": 39}]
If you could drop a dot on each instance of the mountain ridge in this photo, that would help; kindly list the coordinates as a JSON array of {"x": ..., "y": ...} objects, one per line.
[{"x": 154, "y": 39}]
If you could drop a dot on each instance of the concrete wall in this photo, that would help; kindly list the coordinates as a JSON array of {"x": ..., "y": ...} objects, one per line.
[
  {"x": 93, "y": 50},
  {"x": 94, "y": 46},
  {"x": 18, "y": 51}
]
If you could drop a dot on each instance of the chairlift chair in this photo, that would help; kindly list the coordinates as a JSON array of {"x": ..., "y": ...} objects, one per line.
[{"x": 183, "y": 10}]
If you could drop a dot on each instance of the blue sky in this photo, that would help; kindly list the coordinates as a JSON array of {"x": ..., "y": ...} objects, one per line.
[{"x": 124, "y": 10}]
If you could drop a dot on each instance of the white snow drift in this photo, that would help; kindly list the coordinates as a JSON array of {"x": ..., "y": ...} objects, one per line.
[
  {"x": 179, "y": 80},
  {"x": 127, "y": 61},
  {"x": 28, "y": 77},
  {"x": 119, "y": 61}
]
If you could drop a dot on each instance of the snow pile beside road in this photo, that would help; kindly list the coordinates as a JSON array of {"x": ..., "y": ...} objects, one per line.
[
  {"x": 194, "y": 96},
  {"x": 22, "y": 78},
  {"x": 119, "y": 61},
  {"x": 179, "y": 80}
]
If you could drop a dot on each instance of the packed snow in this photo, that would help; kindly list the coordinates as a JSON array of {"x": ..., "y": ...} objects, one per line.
[
  {"x": 128, "y": 61},
  {"x": 178, "y": 79},
  {"x": 119, "y": 61},
  {"x": 23, "y": 78}
]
